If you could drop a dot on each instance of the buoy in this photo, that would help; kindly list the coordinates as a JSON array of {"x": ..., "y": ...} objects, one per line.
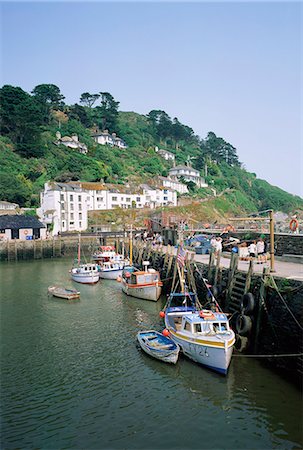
[
  {"x": 165, "y": 332},
  {"x": 119, "y": 279},
  {"x": 162, "y": 314}
]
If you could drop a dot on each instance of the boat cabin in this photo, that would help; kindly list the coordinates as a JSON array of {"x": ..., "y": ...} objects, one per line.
[
  {"x": 196, "y": 325},
  {"x": 142, "y": 277}
]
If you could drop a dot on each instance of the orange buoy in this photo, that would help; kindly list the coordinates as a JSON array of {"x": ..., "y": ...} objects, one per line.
[
  {"x": 162, "y": 314},
  {"x": 119, "y": 279},
  {"x": 165, "y": 332}
]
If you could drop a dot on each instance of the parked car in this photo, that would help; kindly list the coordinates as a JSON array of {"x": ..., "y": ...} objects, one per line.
[{"x": 200, "y": 243}]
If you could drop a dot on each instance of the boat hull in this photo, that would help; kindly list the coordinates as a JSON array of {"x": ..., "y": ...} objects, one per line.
[
  {"x": 66, "y": 294},
  {"x": 161, "y": 348},
  {"x": 144, "y": 292},
  {"x": 110, "y": 274},
  {"x": 85, "y": 278},
  {"x": 214, "y": 357}
]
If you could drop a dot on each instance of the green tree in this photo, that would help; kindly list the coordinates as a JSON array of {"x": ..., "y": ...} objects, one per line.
[
  {"x": 49, "y": 97},
  {"x": 88, "y": 99},
  {"x": 20, "y": 120},
  {"x": 107, "y": 114}
]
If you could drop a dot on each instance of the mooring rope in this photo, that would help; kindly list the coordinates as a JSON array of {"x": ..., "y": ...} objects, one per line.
[{"x": 283, "y": 355}]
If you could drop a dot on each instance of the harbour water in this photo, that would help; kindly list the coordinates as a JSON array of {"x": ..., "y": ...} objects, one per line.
[{"x": 73, "y": 376}]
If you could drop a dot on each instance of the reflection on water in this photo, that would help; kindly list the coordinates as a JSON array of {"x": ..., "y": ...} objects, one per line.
[{"x": 73, "y": 376}]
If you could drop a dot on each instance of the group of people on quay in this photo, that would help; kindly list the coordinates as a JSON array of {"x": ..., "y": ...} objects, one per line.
[{"x": 255, "y": 250}]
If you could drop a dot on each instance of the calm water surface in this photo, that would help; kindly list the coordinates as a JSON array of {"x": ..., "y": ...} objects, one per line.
[{"x": 72, "y": 376}]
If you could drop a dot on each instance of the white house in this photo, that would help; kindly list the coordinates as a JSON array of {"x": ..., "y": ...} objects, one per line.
[
  {"x": 71, "y": 142},
  {"x": 155, "y": 197},
  {"x": 168, "y": 156},
  {"x": 188, "y": 173},
  {"x": 8, "y": 207},
  {"x": 105, "y": 138},
  {"x": 63, "y": 207},
  {"x": 175, "y": 184}
]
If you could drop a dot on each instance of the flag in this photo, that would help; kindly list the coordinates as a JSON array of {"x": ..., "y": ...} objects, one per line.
[{"x": 181, "y": 257}]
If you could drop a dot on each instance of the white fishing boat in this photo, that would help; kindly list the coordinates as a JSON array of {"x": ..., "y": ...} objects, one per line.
[
  {"x": 202, "y": 334},
  {"x": 111, "y": 270},
  {"x": 61, "y": 292},
  {"x": 144, "y": 284},
  {"x": 85, "y": 273},
  {"x": 158, "y": 346}
]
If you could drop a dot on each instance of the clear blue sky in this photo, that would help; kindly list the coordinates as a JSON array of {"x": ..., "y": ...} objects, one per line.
[{"x": 231, "y": 68}]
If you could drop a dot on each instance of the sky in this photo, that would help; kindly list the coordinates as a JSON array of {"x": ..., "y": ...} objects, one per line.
[{"x": 234, "y": 68}]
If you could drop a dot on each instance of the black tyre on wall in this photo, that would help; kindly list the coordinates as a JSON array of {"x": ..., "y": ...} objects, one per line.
[
  {"x": 243, "y": 325},
  {"x": 247, "y": 303}
]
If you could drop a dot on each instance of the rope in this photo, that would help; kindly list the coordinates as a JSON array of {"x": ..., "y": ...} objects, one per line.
[
  {"x": 283, "y": 355},
  {"x": 285, "y": 304}
]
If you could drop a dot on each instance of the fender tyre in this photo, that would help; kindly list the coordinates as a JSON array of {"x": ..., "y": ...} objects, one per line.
[
  {"x": 248, "y": 303},
  {"x": 243, "y": 325}
]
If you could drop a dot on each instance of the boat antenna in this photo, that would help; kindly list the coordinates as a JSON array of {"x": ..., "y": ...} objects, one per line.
[{"x": 79, "y": 249}]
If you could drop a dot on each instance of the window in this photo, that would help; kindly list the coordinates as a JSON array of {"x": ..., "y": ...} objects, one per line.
[
  {"x": 71, "y": 197},
  {"x": 80, "y": 216},
  {"x": 62, "y": 197},
  {"x": 114, "y": 199},
  {"x": 198, "y": 328},
  {"x": 165, "y": 191},
  {"x": 122, "y": 198},
  {"x": 99, "y": 199},
  {"x": 187, "y": 326},
  {"x": 71, "y": 216},
  {"x": 63, "y": 224},
  {"x": 71, "y": 223},
  {"x": 80, "y": 207},
  {"x": 79, "y": 198},
  {"x": 128, "y": 199},
  {"x": 63, "y": 216},
  {"x": 138, "y": 199},
  {"x": 80, "y": 224},
  {"x": 72, "y": 206},
  {"x": 165, "y": 198}
]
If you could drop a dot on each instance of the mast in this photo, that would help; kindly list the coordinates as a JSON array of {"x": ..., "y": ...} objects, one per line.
[
  {"x": 79, "y": 250},
  {"x": 131, "y": 246}
]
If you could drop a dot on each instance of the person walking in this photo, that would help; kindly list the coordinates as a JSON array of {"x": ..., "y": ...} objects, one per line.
[
  {"x": 260, "y": 250},
  {"x": 252, "y": 249}
]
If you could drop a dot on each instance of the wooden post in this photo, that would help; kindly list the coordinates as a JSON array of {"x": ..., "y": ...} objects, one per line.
[{"x": 272, "y": 240}]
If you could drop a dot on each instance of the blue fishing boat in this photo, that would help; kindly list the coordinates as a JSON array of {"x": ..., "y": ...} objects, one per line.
[{"x": 159, "y": 346}]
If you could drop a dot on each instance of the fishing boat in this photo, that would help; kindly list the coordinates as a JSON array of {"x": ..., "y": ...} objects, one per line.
[
  {"x": 111, "y": 270},
  {"x": 158, "y": 346},
  {"x": 144, "y": 284},
  {"x": 104, "y": 253},
  {"x": 203, "y": 335},
  {"x": 85, "y": 273},
  {"x": 61, "y": 292}
]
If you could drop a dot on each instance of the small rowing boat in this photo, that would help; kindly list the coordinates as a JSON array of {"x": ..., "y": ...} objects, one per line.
[
  {"x": 158, "y": 346},
  {"x": 68, "y": 294}
]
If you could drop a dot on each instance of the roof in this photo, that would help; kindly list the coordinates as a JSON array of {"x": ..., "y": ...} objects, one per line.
[
  {"x": 161, "y": 151},
  {"x": 183, "y": 167},
  {"x": 3, "y": 202},
  {"x": 19, "y": 221}
]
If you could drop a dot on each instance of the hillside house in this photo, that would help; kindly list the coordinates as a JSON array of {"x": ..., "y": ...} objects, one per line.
[
  {"x": 168, "y": 156},
  {"x": 105, "y": 138},
  {"x": 175, "y": 184},
  {"x": 188, "y": 173},
  {"x": 71, "y": 142},
  {"x": 8, "y": 207}
]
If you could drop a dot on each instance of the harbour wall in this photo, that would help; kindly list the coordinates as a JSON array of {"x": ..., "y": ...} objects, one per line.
[{"x": 18, "y": 250}]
